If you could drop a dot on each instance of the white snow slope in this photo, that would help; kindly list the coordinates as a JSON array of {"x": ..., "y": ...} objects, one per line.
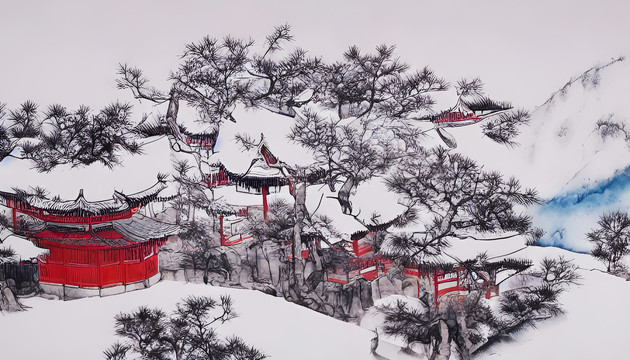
[
  {"x": 83, "y": 329},
  {"x": 561, "y": 149}
]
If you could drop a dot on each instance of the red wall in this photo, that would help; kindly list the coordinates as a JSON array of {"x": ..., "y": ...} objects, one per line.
[{"x": 86, "y": 267}]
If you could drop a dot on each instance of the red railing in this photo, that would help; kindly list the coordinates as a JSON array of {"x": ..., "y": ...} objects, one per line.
[
  {"x": 457, "y": 116},
  {"x": 446, "y": 282},
  {"x": 218, "y": 179},
  {"x": 233, "y": 240},
  {"x": 98, "y": 266},
  {"x": 340, "y": 277},
  {"x": 207, "y": 144},
  {"x": 104, "y": 275},
  {"x": 369, "y": 269},
  {"x": 360, "y": 246}
]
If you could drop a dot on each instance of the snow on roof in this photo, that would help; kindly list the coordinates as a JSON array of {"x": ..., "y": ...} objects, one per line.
[
  {"x": 82, "y": 207},
  {"x": 496, "y": 246},
  {"x": 371, "y": 198},
  {"x": 253, "y": 123}
]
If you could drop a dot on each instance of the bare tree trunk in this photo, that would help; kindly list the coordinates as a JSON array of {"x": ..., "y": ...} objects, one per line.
[
  {"x": 266, "y": 256},
  {"x": 344, "y": 196},
  {"x": 443, "y": 350},
  {"x": 318, "y": 260},
  {"x": 299, "y": 193},
  {"x": 465, "y": 344},
  {"x": 171, "y": 119},
  {"x": 178, "y": 208},
  {"x": 256, "y": 263}
]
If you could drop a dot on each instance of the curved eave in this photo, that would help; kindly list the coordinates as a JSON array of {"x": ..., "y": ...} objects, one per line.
[
  {"x": 81, "y": 207},
  {"x": 142, "y": 197}
]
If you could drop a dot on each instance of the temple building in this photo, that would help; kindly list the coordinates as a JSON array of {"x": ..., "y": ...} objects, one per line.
[
  {"x": 94, "y": 248},
  {"x": 265, "y": 175}
]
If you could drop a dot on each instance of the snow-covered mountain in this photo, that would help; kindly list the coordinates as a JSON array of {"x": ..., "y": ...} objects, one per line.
[{"x": 575, "y": 151}]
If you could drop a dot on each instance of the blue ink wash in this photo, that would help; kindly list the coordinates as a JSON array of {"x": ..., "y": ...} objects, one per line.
[{"x": 589, "y": 202}]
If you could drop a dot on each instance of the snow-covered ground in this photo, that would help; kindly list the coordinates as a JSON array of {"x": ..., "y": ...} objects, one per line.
[
  {"x": 595, "y": 310},
  {"x": 593, "y": 326},
  {"x": 83, "y": 329}
]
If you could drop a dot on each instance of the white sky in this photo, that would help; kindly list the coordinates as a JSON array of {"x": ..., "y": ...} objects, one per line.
[{"x": 67, "y": 51}]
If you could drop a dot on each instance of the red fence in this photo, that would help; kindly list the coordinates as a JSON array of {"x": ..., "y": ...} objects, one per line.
[
  {"x": 99, "y": 267},
  {"x": 369, "y": 269},
  {"x": 218, "y": 179},
  {"x": 104, "y": 275}
]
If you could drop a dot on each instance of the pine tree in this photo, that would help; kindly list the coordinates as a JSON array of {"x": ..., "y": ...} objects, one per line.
[
  {"x": 461, "y": 197},
  {"x": 187, "y": 333},
  {"x": 611, "y": 239},
  {"x": 76, "y": 138}
]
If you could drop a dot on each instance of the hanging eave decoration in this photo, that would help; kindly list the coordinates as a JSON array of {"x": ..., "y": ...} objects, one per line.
[
  {"x": 201, "y": 140},
  {"x": 469, "y": 112}
]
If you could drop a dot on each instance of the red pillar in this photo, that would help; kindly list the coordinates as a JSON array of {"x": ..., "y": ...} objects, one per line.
[
  {"x": 14, "y": 219},
  {"x": 99, "y": 254},
  {"x": 435, "y": 283},
  {"x": 265, "y": 206},
  {"x": 121, "y": 264}
]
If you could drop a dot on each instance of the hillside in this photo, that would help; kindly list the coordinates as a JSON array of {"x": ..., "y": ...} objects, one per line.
[
  {"x": 570, "y": 141},
  {"x": 589, "y": 314},
  {"x": 575, "y": 152}
]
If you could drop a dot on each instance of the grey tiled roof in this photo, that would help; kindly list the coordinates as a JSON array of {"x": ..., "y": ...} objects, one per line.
[{"x": 140, "y": 228}]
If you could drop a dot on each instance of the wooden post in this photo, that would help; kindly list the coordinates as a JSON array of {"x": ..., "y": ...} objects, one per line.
[{"x": 14, "y": 219}]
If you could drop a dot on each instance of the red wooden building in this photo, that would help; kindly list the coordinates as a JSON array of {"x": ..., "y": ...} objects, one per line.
[
  {"x": 94, "y": 248},
  {"x": 450, "y": 282},
  {"x": 265, "y": 175},
  {"x": 364, "y": 262}
]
